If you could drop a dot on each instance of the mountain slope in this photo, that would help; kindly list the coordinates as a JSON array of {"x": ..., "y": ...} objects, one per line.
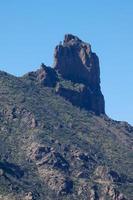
[{"x": 52, "y": 147}]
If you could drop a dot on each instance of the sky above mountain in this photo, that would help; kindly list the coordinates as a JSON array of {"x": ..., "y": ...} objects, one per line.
[{"x": 31, "y": 29}]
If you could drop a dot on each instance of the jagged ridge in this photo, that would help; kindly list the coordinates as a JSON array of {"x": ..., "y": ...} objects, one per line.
[{"x": 77, "y": 66}]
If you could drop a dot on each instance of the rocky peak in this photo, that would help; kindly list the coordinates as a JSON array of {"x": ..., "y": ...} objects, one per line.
[
  {"x": 69, "y": 38},
  {"x": 45, "y": 76},
  {"x": 75, "y": 76},
  {"x": 75, "y": 61}
]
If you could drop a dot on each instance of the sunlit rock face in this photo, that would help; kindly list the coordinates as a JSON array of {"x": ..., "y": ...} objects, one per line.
[{"x": 75, "y": 61}]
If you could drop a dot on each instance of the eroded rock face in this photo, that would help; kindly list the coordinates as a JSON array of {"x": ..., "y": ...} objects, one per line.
[
  {"x": 115, "y": 194},
  {"x": 52, "y": 167},
  {"x": 46, "y": 76},
  {"x": 76, "y": 62},
  {"x": 107, "y": 178},
  {"x": 25, "y": 117},
  {"x": 75, "y": 75},
  {"x": 84, "y": 98}
]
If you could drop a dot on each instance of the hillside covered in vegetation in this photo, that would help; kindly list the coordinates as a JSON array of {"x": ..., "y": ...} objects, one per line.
[{"x": 56, "y": 141}]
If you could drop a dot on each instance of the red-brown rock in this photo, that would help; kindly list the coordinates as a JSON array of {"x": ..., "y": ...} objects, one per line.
[{"x": 76, "y": 62}]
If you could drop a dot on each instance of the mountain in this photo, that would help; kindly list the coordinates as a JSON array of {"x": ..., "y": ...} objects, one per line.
[{"x": 56, "y": 141}]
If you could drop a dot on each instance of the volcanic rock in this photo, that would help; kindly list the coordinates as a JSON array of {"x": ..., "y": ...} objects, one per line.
[
  {"x": 46, "y": 76},
  {"x": 75, "y": 61}
]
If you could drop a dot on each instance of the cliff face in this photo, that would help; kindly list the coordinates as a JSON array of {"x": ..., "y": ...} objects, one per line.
[
  {"x": 75, "y": 76},
  {"x": 76, "y": 62}
]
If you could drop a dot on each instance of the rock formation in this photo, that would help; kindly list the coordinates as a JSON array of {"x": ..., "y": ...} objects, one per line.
[
  {"x": 77, "y": 66},
  {"x": 45, "y": 76},
  {"x": 75, "y": 61},
  {"x": 52, "y": 150}
]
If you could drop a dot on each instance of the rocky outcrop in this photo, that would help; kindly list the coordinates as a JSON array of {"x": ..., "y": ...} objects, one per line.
[
  {"x": 22, "y": 115},
  {"x": 83, "y": 98},
  {"x": 52, "y": 167},
  {"x": 76, "y": 62},
  {"x": 45, "y": 76},
  {"x": 107, "y": 178},
  {"x": 114, "y": 194},
  {"x": 104, "y": 175},
  {"x": 75, "y": 75},
  {"x": 56, "y": 169}
]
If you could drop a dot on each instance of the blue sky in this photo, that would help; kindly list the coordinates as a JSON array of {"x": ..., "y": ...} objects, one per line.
[{"x": 30, "y": 29}]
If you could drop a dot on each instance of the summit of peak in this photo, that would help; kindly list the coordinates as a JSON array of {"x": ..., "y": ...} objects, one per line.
[
  {"x": 69, "y": 38},
  {"x": 73, "y": 40},
  {"x": 75, "y": 61}
]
